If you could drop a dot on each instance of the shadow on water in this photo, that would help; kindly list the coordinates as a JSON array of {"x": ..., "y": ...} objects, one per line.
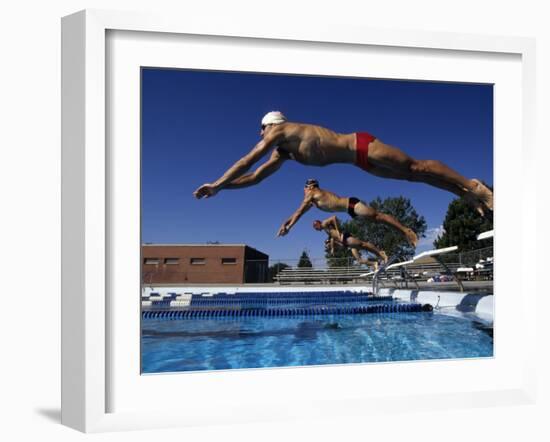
[
  {"x": 485, "y": 328},
  {"x": 303, "y": 331}
]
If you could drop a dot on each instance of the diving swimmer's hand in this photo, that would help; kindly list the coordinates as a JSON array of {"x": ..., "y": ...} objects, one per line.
[
  {"x": 285, "y": 227},
  {"x": 205, "y": 191}
]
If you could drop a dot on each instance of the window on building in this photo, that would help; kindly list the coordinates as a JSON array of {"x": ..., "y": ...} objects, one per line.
[
  {"x": 152, "y": 261},
  {"x": 229, "y": 260},
  {"x": 198, "y": 261},
  {"x": 171, "y": 260}
]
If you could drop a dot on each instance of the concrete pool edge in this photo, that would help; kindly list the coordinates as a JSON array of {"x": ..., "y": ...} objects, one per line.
[{"x": 477, "y": 304}]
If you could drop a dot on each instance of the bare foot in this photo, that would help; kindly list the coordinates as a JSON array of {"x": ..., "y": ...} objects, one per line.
[
  {"x": 411, "y": 237},
  {"x": 474, "y": 202},
  {"x": 484, "y": 194},
  {"x": 384, "y": 256}
]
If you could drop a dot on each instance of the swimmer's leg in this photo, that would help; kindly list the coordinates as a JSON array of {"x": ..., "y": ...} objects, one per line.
[
  {"x": 355, "y": 243},
  {"x": 368, "y": 212},
  {"x": 391, "y": 162}
]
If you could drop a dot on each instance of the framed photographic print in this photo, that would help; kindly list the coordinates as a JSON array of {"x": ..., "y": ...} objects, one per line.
[{"x": 263, "y": 219}]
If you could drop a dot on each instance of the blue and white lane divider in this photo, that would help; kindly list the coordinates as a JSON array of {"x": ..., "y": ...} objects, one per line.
[
  {"x": 260, "y": 295},
  {"x": 259, "y": 301},
  {"x": 281, "y": 312},
  {"x": 262, "y": 300}
]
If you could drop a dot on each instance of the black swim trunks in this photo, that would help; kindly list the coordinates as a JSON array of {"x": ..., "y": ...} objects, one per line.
[
  {"x": 352, "y": 201},
  {"x": 345, "y": 236}
]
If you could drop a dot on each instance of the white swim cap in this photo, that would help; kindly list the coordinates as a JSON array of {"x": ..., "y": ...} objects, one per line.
[{"x": 274, "y": 117}]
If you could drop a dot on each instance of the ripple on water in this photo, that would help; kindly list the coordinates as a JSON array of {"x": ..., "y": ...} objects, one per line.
[{"x": 194, "y": 345}]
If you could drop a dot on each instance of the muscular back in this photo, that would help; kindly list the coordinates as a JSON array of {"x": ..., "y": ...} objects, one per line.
[{"x": 315, "y": 145}]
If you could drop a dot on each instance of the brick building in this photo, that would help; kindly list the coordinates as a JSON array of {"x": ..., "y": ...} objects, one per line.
[{"x": 202, "y": 264}]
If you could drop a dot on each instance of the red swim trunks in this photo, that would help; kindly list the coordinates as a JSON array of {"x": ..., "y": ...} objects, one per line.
[{"x": 363, "y": 140}]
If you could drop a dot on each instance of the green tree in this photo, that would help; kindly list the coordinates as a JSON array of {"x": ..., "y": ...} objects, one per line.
[
  {"x": 304, "y": 260},
  {"x": 461, "y": 226},
  {"x": 275, "y": 269},
  {"x": 381, "y": 235}
]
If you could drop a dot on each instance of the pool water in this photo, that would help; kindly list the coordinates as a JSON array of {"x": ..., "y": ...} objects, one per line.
[{"x": 255, "y": 342}]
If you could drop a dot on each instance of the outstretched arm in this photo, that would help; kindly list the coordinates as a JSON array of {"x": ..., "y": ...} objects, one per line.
[
  {"x": 304, "y": 207},
  {"x": 268, "y": 168},
  {"x": 358, "y": 257},
  {"x": 239, "y": 168},
  {"x": 332, "y": 221}
]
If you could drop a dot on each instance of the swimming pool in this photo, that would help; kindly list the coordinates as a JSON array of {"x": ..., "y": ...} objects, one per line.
[{"x": 218, "y": 341}]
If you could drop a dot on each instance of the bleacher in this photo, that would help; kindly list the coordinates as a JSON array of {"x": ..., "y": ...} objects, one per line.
[
  {"x": 327, "y": 275},
  {"x": 423, "y": 271},
  {"x": 427, "y": 268},
  {"x": 436, "y": 266}
]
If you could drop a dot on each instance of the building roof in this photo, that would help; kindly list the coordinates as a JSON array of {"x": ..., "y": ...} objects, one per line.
[
  {"x": 194, "y": 245},
  {"x": 244, "y": 246}
]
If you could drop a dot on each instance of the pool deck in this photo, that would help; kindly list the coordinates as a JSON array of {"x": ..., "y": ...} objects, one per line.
[{"x": 469, "y": 286}]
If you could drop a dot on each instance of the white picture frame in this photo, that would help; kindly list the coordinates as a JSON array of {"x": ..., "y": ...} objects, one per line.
[{"x": 86, "y": 206}]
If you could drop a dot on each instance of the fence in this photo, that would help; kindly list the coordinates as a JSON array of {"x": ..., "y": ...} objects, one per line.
[
  {"x": 468, "y": 258},
  {"x": 316, "y": 263},
  {"x": 472, "y": 257},
  {"x": 256, "y": 269}
]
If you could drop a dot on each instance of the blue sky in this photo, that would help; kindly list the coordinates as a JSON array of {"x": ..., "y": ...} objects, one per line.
[{"x": 196, "y": 124}]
